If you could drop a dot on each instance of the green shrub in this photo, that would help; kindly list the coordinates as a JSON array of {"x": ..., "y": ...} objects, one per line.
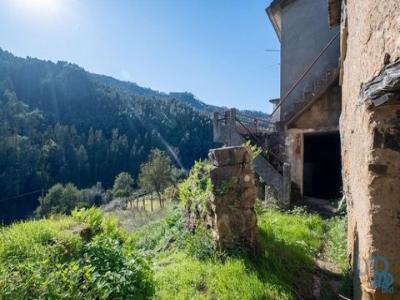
[
  {"x": 108, "y": 273},
  {"x": 197, "y": 187},
  {"x": 91, "y": 216},
  {"x": 253, "y": 149},
  {"x": 48, "y": 259},
  {"x": 200, "y": 245},
  {"x": 160, "y": 235},
  {"x": 123, "y": 185},
  {"x": 95, "y": 195},
  {"x": 59, "y": 199}
]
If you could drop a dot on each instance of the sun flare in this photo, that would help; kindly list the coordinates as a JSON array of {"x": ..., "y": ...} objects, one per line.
[{"x": 40, "y": 8}]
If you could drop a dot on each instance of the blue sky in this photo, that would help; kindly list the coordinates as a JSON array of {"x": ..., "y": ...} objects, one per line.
[{"x": 214, "y": 49}]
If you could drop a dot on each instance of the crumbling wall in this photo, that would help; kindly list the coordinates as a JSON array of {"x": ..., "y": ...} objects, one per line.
[
  {"x": 371, "y": 149},
  {"x": 231, "y": 214}
]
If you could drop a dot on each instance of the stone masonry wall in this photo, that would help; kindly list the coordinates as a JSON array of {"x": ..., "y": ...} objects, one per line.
[
  {"x": 231, "y": 214},
  {"x": 371, "y": 149}
]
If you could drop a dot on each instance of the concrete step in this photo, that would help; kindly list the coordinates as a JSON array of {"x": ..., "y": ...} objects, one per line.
[
  {"x": 262, "y": 167},
  {"x": 267, "y": 172},
  {"x": 310, "y": 92}
]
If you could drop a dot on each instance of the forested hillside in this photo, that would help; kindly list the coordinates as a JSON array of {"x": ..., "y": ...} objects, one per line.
[
  {"x": 60, "y": 123},
  {"x": 185, "y": 97}
]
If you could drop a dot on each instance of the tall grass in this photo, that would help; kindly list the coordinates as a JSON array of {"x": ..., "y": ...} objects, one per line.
[
  {"x": 186, "y": 266},
  {"x": 89, "y": 256},
  {"x": 77, "y": 257},
  {"x": 335, "y": 242}
]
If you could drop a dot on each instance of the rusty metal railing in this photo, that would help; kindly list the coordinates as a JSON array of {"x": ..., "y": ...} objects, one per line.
[{"x": 304, "y": 74}]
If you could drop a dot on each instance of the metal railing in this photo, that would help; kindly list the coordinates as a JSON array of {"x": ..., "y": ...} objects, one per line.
[
  {"x": 269, "y": 155},
  {"x": 304, "y": 74}
]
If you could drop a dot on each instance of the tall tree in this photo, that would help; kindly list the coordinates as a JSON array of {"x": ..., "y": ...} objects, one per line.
[
  {"x": 123, "y": 185},
  {"x": 60, "y": 123},
  {"x": 157, "y": 173}
]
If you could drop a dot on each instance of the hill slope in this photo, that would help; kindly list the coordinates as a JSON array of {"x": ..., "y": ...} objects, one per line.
[
  {"x": 61, "y": 124},
  {"x": 184, "y": 97}
]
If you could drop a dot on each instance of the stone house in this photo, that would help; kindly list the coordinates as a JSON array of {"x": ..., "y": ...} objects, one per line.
[
  {"x": 305, "y": 133},
  {"x": 357, "y": 44},
  {"x": 370, "y": 139},
  {"x": 308, "y": 111},
  {"x": 339, "y": 113},
  {"x": 336, "y": 125}
]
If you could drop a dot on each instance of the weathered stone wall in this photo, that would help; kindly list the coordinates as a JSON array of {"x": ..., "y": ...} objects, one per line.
[
  {"x": 231, "y": 214},
  {"x": 371, "y": 148}
]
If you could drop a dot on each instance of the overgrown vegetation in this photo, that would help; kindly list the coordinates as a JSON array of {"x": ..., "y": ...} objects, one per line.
[
  {"x": 60, "y": 199},
  {"x": 197, "y": 187},
  {"x": 90, "y": 256},
  {"x": 123, "y": 185},
  {"x": 187, "y": 265},
  {"x": 80, "y": 257},
  {"x": 335, "y": 247},
  {"x": 157, "y": 173}
]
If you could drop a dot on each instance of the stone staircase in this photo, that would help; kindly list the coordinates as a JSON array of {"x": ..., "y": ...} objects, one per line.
[
  {"x": 231, "y": 132},
  {"x": 310, "y": 94}
]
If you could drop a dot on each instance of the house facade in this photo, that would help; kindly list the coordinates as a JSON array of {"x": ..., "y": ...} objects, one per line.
[
  {"x": 307, "y": 113},
  {"x": 351, "y": 118},
  {"x": 336, "y": 126},
  {"x": 370, "y": 138}
]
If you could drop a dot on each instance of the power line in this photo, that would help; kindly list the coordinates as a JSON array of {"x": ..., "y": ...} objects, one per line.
[{"x": 22, "y": 195}]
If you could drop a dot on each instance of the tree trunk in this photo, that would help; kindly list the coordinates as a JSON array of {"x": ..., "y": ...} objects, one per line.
[
  {"x": 151, "y": 203},
  {"x": 144, "y": 203},
  {"x": 159, "y": 198}
]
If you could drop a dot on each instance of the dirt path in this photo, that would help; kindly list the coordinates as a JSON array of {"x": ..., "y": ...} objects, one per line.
[{"x": 327, "y": 276}]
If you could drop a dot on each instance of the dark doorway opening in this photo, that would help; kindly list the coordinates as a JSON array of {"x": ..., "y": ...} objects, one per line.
[{"x": 322, "y": 176}]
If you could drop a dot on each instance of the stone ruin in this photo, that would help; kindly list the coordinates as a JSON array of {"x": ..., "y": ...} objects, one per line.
[{"x": 231, "y": 214}]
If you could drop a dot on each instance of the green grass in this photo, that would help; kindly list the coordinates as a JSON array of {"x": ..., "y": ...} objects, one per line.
[
  {"x": 49, "y": 258},
  {"x": 32, "y": 241},
  {"x": 282, "y": 269},
  {"x": 133, "y": 220},
  {"x": 82, "y": 256},
  {"x": 335, "y": 242},
  {"x": 179, "y": 276}
]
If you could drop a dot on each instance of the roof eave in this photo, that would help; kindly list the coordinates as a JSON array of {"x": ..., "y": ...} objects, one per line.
[{"x": 272, "y": 15}]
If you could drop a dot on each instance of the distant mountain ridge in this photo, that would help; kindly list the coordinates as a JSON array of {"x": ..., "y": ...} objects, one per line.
[
  {"x": 184, "y": 97},
  {"x": 60, "y": 123}
]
